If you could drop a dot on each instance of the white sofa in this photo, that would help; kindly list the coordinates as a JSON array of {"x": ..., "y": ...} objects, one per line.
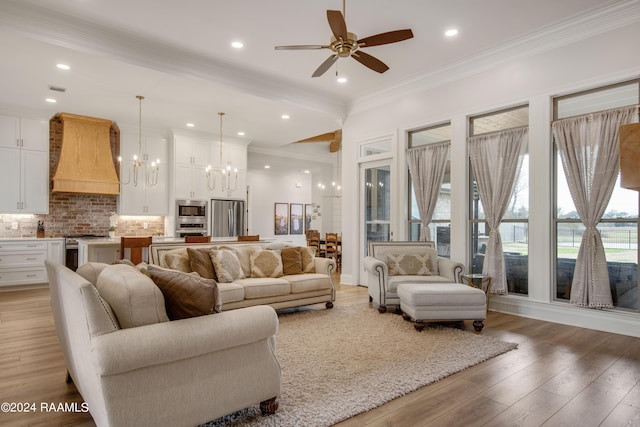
[
  {"x": 288, "y": 290},
  {"x": 383, "y": 286},
  {"x": 133, "y": 366}
]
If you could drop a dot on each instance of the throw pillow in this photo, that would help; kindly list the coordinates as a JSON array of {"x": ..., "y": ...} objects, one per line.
[
  {"x": 200, "y": 262},
  {"x": 409, "y": 264},
  {"x": 133, "y": 297},
  {"x": 243, "y": 252},
  {"x": 307, "y": 254},
  {"x": 226, "y": 265},
  {"x": 266, "y": 263},
  {"x": 291, "y": 261},
  {"x": 186, "y": 294},
  {"x": 178, "y": 261}
]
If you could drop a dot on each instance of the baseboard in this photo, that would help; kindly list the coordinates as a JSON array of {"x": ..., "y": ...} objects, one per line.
[{"x": 607, "y": 320}]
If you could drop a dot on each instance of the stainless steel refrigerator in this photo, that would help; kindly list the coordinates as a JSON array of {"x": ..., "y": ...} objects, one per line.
[{"x": 227, "y": 218}]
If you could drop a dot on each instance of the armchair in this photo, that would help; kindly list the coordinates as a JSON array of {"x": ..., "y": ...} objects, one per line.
[{"x": 383, "y": 284}]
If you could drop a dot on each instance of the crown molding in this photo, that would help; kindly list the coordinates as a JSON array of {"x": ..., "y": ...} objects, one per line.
[
  {"x": 318, "y": 158},
  {"x": 51, "y": 26},
  {"x": 569, "y": 31}
]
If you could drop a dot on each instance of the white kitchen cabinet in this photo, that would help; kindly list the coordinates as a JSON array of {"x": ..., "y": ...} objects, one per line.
[
  {"x": 25, "y": 174},
  {"x": 142, "y": 199},
  {"x": 190, "y": 159},
  {"x": 28, "y": 134},
  {"x": 105, "y": 251},
  {"x": 22, "y": 260},
  {"x": 56, "y": 250},
  {"x": 24, "y": 165}
]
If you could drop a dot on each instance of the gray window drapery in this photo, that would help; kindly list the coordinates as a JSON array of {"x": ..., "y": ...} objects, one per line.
[
  {"x": 495, "y": 159},
  {"x": 427, "y": 165},
  {"x": 589, "y": 149}
]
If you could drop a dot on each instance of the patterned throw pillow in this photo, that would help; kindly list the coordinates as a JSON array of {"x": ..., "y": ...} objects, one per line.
[
  {"x": 178, "y": 261},
  {"x": 266, "y": 263},
  {"x": 307, "y": 254},
  {"x": 413, "y": 265},
  {"x": 226, "y": 265},
  {"x": 186, "y": 294},
  {"x": 291, "y": 261},
  {"x": 200, "y": 262}
]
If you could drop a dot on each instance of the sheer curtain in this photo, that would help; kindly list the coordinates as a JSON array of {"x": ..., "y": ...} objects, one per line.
[
  {"x": 589, "y": 149},
  {"x": 427, "y": 165},
  {"x": 495, "y": 159}
]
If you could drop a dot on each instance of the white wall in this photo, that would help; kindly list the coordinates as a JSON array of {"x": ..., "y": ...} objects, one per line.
[
  {"x": 266, "y": 189},
  {"x": 534, "y": 79}
]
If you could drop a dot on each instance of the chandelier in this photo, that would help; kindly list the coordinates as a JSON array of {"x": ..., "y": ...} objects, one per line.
[
  {"x": 142, "y": 161},
  {"x": 224, "y": 172}
]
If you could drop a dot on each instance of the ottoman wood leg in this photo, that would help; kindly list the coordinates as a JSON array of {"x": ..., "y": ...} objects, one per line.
[
  {"x": 478, "y": 325},
  {"x": 382, "y": 308},
  {"x": 406, "y": 317},
  {"x": 419, "y": 325}
]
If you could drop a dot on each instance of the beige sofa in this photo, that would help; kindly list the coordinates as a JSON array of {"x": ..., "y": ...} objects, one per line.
[
  {"x": 390, "y": 264},
  {"x": 313, "y": 286},
  {"x": 133, "y": 366}
]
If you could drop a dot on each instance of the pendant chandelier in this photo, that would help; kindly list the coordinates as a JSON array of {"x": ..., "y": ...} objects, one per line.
[
  {"x": 141, "y": 160},
  {"x": 224, "y": 172}
]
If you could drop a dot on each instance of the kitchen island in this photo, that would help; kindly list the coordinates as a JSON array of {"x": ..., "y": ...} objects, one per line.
[{"x": 22, "y": 260}]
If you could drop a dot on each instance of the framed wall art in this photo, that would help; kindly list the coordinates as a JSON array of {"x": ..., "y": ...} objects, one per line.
[
  {"x": 297, "y": 218},
  {"x": 281, "y": 219}
]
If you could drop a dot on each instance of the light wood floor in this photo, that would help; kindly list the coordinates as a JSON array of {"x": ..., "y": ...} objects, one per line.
[{"x": 558, "y": 376}]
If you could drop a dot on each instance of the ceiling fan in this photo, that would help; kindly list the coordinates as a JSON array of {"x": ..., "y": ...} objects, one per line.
[
  {"x": 345, "y": 44},
  {"x": 334, "y": 138}
]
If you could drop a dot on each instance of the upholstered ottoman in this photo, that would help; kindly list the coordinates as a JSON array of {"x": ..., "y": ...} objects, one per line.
[{"x": 442, "y": 301}]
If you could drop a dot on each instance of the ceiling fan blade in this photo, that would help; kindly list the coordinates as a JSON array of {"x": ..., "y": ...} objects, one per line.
[
  {"x": 369, "y": 61},
  {"x": 325, "y": 66},
  {"x": 337, "y": 24},
  {"x": 302, "y": 47},
  {"x": 385, "y": 38}
]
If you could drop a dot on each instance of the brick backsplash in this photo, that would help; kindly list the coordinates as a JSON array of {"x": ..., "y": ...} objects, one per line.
[{"x": 71, "y": 213}]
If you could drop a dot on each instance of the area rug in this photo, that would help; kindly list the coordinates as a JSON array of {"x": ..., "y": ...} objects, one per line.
[{"x": 340, "y": 362}]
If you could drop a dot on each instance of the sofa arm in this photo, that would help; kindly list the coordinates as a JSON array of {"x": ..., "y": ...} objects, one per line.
[
  {"x": 377, "y": 279},
  {"x": 324, "y": 265},
  {"x": 450, "y": 269},
  {"x": 133, "y": 348}
]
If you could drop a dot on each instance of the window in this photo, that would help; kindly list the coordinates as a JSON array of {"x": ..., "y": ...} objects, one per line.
[
  {"x": 619, "y": 224},
  {"x": 514, "y": 228},
  {"x": 441, "y": 220}
]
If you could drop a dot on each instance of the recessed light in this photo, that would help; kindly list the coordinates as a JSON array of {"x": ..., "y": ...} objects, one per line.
[
  {"x": 307, "y": 171},
  {"x": 451, "y": 32},
  {"x": 237, "y": 44},
  {"x": 240, "y": 133},
  {"x": 342, "y": 79},
  {"x": 190, "y": 125},
  {"x": 63, "y": 66},
  {"x": 51, "y": 100},
  {"x": 267, "y": 167},
  {"x": 285, "y": 116}
]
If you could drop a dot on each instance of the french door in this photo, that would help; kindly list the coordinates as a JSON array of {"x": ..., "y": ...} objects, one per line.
[{"x": 376, "y": 203}]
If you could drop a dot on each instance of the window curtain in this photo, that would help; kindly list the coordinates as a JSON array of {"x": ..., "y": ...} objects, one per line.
[
  {"x": 495, "y": 159},
  {"x": 589, "y": 149},
  {"x": 427, "y": 165}
]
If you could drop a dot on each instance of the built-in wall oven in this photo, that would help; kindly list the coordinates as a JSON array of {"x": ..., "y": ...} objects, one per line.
[{"x": 192, "y": 218}]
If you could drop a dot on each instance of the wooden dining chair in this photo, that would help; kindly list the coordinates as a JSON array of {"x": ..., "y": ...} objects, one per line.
[
  {"x": 135, "y": 246},
  {"x": 332, "y": 248},
  {"x": 314, "y": 242},
  {"x": 249, "y": 238},
  {"x": 197, "y": 239}
]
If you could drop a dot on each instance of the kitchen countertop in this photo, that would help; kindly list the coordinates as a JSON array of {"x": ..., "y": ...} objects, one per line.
[{"x": 29, "y": 238}]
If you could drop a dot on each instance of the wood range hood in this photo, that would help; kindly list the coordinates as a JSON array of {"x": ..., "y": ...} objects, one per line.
[{"x": 86, "y": 163}]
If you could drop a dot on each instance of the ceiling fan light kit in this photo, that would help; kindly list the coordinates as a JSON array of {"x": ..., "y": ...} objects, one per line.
[{"x": 345, "y": 44}]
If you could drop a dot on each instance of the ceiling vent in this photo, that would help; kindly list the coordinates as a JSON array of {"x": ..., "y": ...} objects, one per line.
[
  {"x": 57, "y": 88},
  {"x": 85, "y": 164}
]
